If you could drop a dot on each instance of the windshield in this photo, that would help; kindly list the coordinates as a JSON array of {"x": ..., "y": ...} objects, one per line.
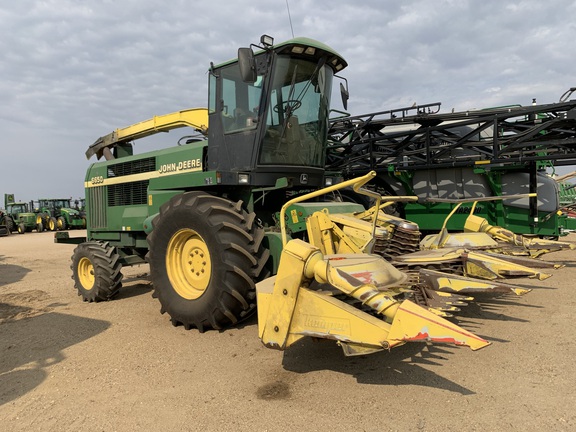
[
  {"x": 55, "y": 203},
  {"x": 18, "y": 208},
  {"x": 297, "y": 114}
]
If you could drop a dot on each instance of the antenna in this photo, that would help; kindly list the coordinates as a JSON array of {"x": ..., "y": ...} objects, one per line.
[{"x": 290, "y": 18}]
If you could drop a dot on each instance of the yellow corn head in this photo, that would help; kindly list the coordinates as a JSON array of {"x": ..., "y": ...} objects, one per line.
[
  {"x": 356, "y": 302},
  {"x": 479, "y": 234},
  {"x": 335, "y": 288},
  {"x": 339, "y": 286}
]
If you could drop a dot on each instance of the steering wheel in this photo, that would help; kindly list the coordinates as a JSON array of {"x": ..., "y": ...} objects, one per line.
[{"x": 293, "y": 104}]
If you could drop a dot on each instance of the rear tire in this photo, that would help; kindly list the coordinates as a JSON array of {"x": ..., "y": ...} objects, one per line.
[
  {"x": 10, "y": 225},
  {"x": 205, "y": 254},
  {"x": 397, "y": 209},
  {"x": 61, "y": 223},
  {"x": 96, "y": 271},
  {"x": 349, "y": 195},
  {"x": 52, "y": 224}
]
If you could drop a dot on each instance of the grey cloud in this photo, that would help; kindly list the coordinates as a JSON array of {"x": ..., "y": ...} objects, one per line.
[{"x": 74, "y": 70}]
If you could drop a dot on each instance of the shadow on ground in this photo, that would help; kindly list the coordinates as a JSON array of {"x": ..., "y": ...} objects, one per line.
[
  {"x": 29, "y": 346},
  {"x": 134, "y": 286},
  {"x": 10, "y": 273},
  {"x": 400, "y": 366}
]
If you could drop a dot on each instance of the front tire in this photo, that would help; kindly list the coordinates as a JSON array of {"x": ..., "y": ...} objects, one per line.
[
  {"x": 61, "y": 223},
  {"x": 52, "y": 224},
  {"x": 205, "y": 254},
  {"x": 21, "y": 228},
  {"x": 96, "y": 271}
]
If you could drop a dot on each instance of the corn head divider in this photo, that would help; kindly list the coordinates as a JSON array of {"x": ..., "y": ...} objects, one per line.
[
  {"x": 479, "y": 234},
  {"x": 356, "y": 299},
  {"x": 484, "y": 251},
  {"x": 472, "y": 254}
]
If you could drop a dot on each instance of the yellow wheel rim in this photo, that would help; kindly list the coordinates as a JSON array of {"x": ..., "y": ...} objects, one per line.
[
  {"x": 188, "y": 264},
  {"x": 86, "y": 273},
  {"x": 59, "y": 224},
  {"x": 52, "y": 225},
  {"x": 38, "y": 220}
]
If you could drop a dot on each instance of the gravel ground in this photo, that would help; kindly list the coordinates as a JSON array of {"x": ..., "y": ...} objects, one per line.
[{"x": 121, "y": 366}]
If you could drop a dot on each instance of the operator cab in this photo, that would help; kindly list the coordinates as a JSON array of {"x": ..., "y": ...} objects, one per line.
[
  {"x": 268, "y": 113},
  {"x": 17, "y": 208}
]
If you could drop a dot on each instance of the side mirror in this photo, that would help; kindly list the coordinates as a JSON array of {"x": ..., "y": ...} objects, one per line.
[
  {"x": 345, "y": 95},
  {"x": 247, "y": 65}
]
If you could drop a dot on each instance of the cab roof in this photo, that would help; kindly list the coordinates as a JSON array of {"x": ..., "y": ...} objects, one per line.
[{"x": 304, "y": 47}]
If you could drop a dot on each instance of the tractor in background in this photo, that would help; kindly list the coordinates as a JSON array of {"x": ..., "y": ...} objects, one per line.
[
  {"x": 18, "y": 216},
  {"x": 4, "y": 231},
  {"x": 58, "y": 214}
]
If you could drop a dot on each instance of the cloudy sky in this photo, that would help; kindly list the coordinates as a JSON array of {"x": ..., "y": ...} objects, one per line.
[{"x": 74, "y": 70}]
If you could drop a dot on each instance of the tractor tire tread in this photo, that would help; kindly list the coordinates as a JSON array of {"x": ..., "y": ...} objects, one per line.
[
  {"x": 237, "y": 255},
  {"x": 107, "y": 268}
]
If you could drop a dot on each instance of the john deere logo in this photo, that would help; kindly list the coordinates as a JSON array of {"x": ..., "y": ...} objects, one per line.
[{"x": 303, "y": 178}]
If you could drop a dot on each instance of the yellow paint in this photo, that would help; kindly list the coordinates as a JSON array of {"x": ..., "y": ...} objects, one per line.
[
  {"x": 100, "y": 181},
  {"x": 85, "y": 271},
  {"x": 294, "y": 215},
  {"x": 289, "y": 311},
  {"x": 188, "y": 264}
]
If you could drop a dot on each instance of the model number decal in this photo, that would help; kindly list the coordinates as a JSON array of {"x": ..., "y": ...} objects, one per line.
[
  {"x": 188, "y": 165},
  {"x": 180, "y": 166},
  {"x": 97, "y": 180}
]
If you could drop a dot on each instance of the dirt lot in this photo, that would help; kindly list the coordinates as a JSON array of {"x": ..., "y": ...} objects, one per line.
[{"x": 121, "y": 366}]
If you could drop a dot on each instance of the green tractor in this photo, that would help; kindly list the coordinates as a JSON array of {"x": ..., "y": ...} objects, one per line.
[
  {"x": 80, "y": 205},
  {"x": 18, "y": 216},
  {"x": 58, "y": 214},
  {"x": 214, "y": 196},
  {"x": 3, "y": 227}
]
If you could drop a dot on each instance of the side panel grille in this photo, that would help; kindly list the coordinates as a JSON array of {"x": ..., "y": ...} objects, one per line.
[
  {"x": 131, "y": 193},
  {"x": 97, "y": 207},
  {"x": 132, "y": 167}
]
